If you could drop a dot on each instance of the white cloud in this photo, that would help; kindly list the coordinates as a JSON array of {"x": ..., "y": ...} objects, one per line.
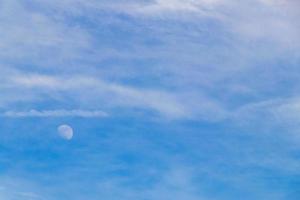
[
  {"x": 200, "y": 75},
  {"x": 287, "y": 111},
  {"x": 55, "y": 113},
  {"x": 282, "y": 112},
  {"x": 173, "y": 8},
  {"x": 27, "y": 34},
  {"x": 274, "y": 21},
  {"x": 14, "y": 188},
  {"x": 89, "y": 90}
]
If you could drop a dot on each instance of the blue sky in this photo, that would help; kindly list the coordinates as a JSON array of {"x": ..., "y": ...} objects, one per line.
[{"x": 168, "y": 99}]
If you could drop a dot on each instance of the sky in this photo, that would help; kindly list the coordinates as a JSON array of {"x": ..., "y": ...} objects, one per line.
[{"x": 166, "y": 99}]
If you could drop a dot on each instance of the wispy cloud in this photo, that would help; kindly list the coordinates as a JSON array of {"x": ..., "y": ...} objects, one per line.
[
  {"x": 198, "y": 66},
  {"x": 90, "y": 90},
  {"x": 273, "y": 21},
  {"x": 16, "y": 188},
  {"x": 55, "y": 113},
  {"x": 222, "y": 61},
  {"x": 158, "y": 7}
]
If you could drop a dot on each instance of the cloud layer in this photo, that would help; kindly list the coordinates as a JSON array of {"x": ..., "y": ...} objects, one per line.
[{"x": 202, "y": 60}]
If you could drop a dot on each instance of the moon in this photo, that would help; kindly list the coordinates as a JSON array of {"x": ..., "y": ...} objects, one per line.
[{"x": 65, "y": 131}]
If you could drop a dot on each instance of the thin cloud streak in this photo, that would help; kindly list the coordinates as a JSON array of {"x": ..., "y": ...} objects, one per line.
[
  {"x": 95, "y": 90},
  {"x": 55, "y": 113}
]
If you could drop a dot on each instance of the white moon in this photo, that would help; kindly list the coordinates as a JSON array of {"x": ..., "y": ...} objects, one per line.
[{"x": 65, "y": 131}]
